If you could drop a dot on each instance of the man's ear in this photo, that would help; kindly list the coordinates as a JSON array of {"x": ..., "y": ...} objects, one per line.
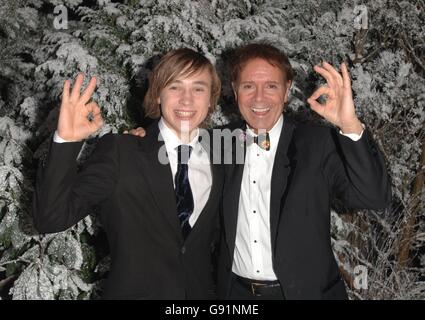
[
  {"x": 158, "y": 100},
  {"x": 288, "y": 89}
]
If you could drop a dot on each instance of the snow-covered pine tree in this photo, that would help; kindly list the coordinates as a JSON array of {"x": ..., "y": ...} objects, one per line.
[{"x": 383, "y": 41}]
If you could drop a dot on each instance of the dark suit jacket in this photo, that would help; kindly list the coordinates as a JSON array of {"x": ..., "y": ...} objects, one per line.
[
  {"x": 149, "y": 259},
  {"x": 313, "y": 164}
]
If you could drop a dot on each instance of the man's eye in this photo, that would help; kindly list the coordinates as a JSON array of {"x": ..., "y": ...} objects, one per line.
[
  {"x": 172, "y": 87},
  {"x": 200, "y": 89},
  {"x": 272, "y": 86},
  {"x": 247, "y": 86}
]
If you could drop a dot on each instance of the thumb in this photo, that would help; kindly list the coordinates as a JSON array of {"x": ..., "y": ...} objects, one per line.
[
  {"x": 316, "y": 106},
  {"x": 97, "y": 120}
]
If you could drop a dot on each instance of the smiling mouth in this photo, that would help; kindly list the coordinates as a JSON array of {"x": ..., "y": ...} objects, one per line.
[
  {"x": 260, "y": 111},
  {"x": 184, "y": 115}
]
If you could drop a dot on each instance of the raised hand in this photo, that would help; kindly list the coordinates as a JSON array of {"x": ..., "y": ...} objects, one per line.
[
  {"x": 339, "y": 106},
  {"x": 78, "y": 118}
]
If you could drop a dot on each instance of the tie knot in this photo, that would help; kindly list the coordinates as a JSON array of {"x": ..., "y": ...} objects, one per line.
[
  {"x": 183, "y": 153},
  {"x": 263, "y": 141}
]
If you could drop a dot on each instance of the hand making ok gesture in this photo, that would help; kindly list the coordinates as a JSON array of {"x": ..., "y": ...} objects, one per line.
[
  {"x": 339, "y": 106},
  {"x": 78, "y": 118}
]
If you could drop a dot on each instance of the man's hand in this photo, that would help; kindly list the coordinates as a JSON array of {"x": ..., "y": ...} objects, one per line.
[
  {"x": 339, "y": 107},
  {"x": 140, "y": 132},
  {"x": 78, "y": 118}
]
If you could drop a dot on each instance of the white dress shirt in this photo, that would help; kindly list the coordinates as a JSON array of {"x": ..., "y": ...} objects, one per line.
[
  {"x": 253, "y": 255},
  {"x": 200, "y": 176}
]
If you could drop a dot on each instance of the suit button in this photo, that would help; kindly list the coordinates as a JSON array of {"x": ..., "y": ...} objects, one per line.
[{"x": 183, "y": 250}]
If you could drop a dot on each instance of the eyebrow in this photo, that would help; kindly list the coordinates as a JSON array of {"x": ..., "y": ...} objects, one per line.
[
  {"x": 200, "y": 82},
  {"x": 245, "y": 82}
]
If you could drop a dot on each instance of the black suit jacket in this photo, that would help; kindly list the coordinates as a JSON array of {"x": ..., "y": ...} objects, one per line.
[
  {"x": 149, "y": 258},
  {"x": 313, "y": 164}
]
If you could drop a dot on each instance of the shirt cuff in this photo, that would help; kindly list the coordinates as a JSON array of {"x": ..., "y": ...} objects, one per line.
[
  {"x": 58, "y": 139},
  {"x": 354, "y": 136}
]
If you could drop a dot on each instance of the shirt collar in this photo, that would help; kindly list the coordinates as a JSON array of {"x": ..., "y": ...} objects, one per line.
[
  {"x": 170, "y": 138},
  {"x": 274, "y": 133}
]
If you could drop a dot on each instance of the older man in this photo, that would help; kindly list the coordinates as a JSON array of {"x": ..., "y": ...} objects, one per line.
[{"x": 276, "y": 240}]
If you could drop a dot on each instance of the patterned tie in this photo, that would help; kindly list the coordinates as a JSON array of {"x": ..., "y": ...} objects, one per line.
[
  {"x": 263, "y": 141},
  {"x": 184, "y": 197}
]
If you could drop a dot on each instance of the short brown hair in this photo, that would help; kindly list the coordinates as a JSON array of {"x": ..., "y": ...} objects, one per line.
[
  {"x": 176, "y": 63},
  {"x": 265, "y": 51}
]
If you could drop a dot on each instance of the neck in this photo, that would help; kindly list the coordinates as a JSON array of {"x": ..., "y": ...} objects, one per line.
[
  {"x": 258, "y": 131},
  {"x": 185, "y": 136}
]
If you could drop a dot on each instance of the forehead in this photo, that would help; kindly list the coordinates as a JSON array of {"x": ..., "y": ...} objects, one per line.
[
  {"x": 260, "y": 69},
  {"x": 192, "y": 75}
]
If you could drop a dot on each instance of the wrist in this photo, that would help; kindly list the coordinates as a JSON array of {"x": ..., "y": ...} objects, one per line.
[
  {"x": 355, "y": 127},
  {"x": 59, "y": 137}
]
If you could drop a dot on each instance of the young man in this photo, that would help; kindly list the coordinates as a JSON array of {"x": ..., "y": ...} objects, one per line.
[{"x": 161, "y": 219}]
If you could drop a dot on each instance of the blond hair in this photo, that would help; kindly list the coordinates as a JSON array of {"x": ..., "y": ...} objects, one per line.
[{"x": 177, "y": 63}]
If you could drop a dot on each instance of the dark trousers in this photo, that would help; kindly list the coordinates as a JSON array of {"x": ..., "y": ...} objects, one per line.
[{"x": 247, "y": 289}]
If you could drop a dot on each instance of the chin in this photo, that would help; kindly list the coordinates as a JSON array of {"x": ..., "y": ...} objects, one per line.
[
  {"x": 258, "y": 125},
  {"x": 192, "y": 126}
]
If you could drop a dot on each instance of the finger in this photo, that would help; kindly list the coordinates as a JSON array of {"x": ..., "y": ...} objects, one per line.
[
  {"x": 141, "y": 132},
  {"x": 75, "y": 94},
  {"x": 98, "y": 119},
  {"x": 125, "y": 132},
  {"x": 92, "y": 110},
  {"x": 336, "y": 75},
  {"x": 323, "y": 90},
  {"x": 85, "y": 97},
  {"x": 345, "y": 76},
  {"x": 316, "y": 106},
  {"x": 92, "y": 107},
  {"x": 326, "y": 74},
  {"x": 65, "y": 91}
]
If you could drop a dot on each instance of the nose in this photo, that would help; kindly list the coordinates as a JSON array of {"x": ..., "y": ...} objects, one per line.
[
  {"x": 186, "y": 97},
  {"x": 259, "y": 93}
]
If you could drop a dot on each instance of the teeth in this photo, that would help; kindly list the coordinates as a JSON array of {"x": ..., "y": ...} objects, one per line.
[
  {"x": 185, "y": 113},
  {"x": 260, "y": 109}
]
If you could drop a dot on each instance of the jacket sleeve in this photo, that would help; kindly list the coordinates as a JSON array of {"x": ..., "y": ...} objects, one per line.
[
  {"x": 356, "y": 172},
  {"x": 63, "y": 194}
]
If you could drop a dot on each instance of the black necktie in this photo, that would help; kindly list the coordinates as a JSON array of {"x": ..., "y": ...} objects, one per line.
[
  {"x": 263, "y": 141},
  {"x": 184, "y": 197}
]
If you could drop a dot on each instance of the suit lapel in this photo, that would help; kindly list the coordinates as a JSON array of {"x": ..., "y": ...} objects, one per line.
[
  {"x": 159, "y": 176},
  {"x": 231, "y": 194},
  {"x": 281, "y": 171}
]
